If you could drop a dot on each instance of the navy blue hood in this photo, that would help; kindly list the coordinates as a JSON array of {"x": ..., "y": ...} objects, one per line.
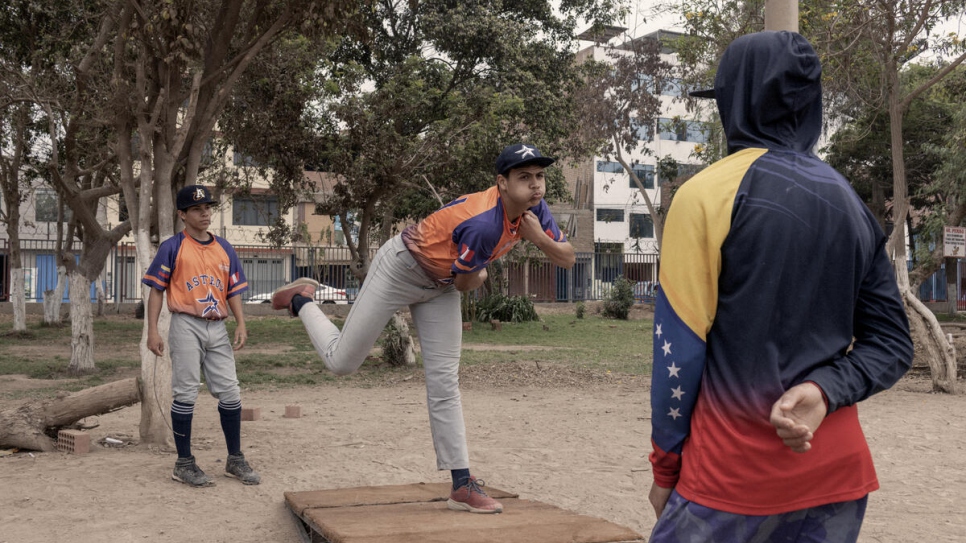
[{"x": 769, "y": 92}]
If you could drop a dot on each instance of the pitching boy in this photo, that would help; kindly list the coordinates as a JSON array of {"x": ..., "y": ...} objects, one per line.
[
  {"x": 425, "y": 268},
  {"x": 203, "y": 278}
]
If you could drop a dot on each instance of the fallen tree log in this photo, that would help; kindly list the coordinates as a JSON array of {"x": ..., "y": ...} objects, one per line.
[{"x": 34, "y": 425}]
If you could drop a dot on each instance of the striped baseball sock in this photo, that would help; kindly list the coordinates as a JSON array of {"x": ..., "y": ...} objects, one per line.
[
  {"x": 181, "y": 414},
  {"x": 231, "y": 425}
]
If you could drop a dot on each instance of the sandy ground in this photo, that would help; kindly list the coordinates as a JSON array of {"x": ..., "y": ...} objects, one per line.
[{"x": 577, "y": 443}]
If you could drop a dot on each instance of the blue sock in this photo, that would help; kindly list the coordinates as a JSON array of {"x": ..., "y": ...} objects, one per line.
[
  {"x": 298, "y": 301},
  {"x": 181, "y": 414},
  {"x": 460, "y": 477},
  {"x": 231, "y": 425}
]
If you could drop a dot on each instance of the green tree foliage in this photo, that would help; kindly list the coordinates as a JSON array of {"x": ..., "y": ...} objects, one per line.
[
  {"x": 861, "y": 148},
  {"x": 412, "y": 113}
]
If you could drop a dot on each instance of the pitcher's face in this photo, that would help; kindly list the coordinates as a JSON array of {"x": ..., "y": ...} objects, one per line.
[{"x": 524, "y": 186}]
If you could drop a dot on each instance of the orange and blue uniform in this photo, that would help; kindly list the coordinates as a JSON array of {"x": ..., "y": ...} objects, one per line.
[
  {"x": 198, "y": 277},
  {"x": 469, "y": 233}
]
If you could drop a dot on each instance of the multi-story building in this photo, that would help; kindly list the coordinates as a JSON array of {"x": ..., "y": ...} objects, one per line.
[{"x": 612, "y": 207}]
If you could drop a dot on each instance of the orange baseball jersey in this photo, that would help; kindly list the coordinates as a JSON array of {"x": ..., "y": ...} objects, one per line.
[
  {"x": 199, "y": 277},
  {"x": 468, "y": 233}
]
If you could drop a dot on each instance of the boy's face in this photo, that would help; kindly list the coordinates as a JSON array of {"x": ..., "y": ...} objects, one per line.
[
  {"x": 524, "y": 186},
  {"x": 198, "y": 217}
]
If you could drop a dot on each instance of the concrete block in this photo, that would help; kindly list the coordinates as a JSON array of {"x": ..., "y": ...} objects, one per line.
[
  {"x": 251, "y": 413},
  {"x": 73, "y": 441}
]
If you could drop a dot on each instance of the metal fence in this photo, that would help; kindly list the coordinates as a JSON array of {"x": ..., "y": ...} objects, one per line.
[
  {"x": 934, "y": 288},
  {"x": 268, "y": 268},
  {"x": 591, "y": 278}
]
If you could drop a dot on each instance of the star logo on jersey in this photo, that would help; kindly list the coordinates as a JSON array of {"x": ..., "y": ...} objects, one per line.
[
  {"x": 527, "y": 152},
  {"x": 212, "y": 305}
]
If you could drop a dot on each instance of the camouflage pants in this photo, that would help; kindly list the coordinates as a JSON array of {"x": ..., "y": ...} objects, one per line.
[{"x": 687, "y": 522}]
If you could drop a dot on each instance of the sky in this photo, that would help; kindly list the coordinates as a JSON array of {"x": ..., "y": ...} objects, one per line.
[{"x": 643, "y": 20}]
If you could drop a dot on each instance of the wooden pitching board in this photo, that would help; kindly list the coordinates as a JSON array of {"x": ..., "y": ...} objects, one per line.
[{"x": 417, "y": 513}]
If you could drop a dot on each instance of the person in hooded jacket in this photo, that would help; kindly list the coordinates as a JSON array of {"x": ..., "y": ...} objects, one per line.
[{"x": 778, "y": 312}]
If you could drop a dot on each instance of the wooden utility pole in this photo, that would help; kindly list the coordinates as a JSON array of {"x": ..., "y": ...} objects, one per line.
[{"x": 781, "y": 15}]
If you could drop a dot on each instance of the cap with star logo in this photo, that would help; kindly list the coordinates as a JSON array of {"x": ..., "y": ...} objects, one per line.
[
  {"x": 519, "y": 155},
  {"x": 193, "y": 195}
]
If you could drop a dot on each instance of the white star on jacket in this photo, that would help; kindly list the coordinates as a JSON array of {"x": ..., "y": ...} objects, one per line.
[{"x": 676, "y": 393}]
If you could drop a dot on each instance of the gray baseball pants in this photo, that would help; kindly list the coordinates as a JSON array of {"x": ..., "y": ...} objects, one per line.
[
  {"x": 198, "y": 345},
  {"x": 395, "y": 281}
]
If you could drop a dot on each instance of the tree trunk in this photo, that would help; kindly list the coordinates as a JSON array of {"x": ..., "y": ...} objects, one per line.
[
  {"x": 33, "y": 426},
  {"x": 408, "y": 347},
  {"x": 51, "y": 306},
  {"x": 926, "y": 333},
  {"x": 938, "y": 353},
  {"x": 156, "y": 383},
  {"x": 101, "y": 297},
  {"x": 18, "y": 298},
  {"x": 81, "y": 325},
  {"x": 53, "y": 299}
]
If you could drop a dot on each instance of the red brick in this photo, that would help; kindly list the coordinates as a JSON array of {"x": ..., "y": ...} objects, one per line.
[
  {"x": 293, "y": 411},
  {"x": 73, "y": 441}
]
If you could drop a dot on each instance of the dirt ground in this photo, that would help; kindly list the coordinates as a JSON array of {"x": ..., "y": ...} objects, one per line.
[{"x": 574, "y": 439}]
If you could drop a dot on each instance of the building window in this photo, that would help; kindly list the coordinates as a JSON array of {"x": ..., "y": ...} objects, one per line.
[
  {"x": 610, "y": 215},
  {"x": 609, "y": 167},
  {"x": 241, "y": 159},
  {"x": 46, "y": 203},
  {"x": 643, "y": 132},
  {"x": 681, "y": 130},
  {"x": 645, "y": 173},
  {"x": 671, "y": 87},
  {"x": 254, "y": 210},
  {"x": 641, "y": 226}
]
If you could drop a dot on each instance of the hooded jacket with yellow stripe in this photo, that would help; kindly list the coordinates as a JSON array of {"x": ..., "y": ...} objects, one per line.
[{"x": 773, "y": 273}]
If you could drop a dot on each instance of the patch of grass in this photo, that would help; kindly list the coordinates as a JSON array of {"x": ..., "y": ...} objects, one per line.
[
  {"x": 946, "y": 317},
  {"x": 279, "y": 353},
  {"x": 592, "y": 342}
]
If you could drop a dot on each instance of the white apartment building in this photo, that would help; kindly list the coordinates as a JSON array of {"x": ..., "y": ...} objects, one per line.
[{"x": 622, "y": 222}]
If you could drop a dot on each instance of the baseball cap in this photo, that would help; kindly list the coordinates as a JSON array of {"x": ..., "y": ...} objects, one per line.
[
  {"x": 703, "y": 93},
  {"x": 193, "y": 195},
  {"x": 519, "y": 155}
]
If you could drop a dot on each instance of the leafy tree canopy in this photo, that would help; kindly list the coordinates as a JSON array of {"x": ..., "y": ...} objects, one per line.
[{"x": 413, "y": 113}]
